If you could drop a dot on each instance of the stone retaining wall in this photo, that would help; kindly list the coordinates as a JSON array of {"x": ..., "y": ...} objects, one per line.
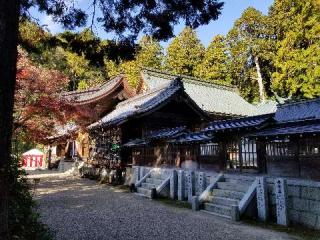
[{"x": 303, "y": 202}]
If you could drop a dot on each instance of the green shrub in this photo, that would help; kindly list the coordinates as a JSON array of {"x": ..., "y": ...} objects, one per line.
[{"x": 24, "y": 220}]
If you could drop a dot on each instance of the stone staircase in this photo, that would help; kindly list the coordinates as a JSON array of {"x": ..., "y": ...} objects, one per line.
[
  {"x": 150, "y": 184},
  {"x": 228, "y": 192}
]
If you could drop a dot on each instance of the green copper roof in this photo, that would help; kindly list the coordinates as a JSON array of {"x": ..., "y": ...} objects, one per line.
[{"x": 210, "y": 97}]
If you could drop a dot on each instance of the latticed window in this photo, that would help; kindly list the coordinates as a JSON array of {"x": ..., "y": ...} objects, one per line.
[
  {"x": 309, "y": 147},
  {"x": 249, "y": 153},
  {"x": 210, "y": 149},
  {"x": 242, "y": 154},
  {"x": 278, "y": 148}
]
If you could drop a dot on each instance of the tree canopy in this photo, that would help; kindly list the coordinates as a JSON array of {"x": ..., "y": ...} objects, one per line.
[
  {"x": 296, "y": 60},
  {"x": 128, "y": 18},
  {"x": 215, "y": 64},
  {"x": 184, "y": 53},
  {"x": 38, "y": 105}
]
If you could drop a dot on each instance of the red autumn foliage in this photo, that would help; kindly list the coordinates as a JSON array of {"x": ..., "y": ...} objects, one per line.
[{"x": 39, "y": 107}]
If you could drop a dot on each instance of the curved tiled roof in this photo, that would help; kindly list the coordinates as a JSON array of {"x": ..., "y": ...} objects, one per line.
[
  {"x": 139, "y": 104},
  {"x": 192, "y": 138},
  {"x": 79, "y": 97},
  {"x": 166, "y": 133},
  {"x": 267, "y": 107},
  {"x": 293, "y": 129},
  {"x": 302, "y": 110},
  {"x": 246, "y": 122},
  {"x": 210, "y": 97}
]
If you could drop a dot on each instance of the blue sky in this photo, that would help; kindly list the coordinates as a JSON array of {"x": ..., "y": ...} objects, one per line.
[{"x": 232, "y": 10}]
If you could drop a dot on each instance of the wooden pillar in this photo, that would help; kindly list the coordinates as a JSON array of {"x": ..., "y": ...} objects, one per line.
[
  {"x": 261, "y": 155},
  {"x": 296, "y": 148},
  {"x": 222, "y": 155},
  {"x": 197, "y": 153},
  {"x": 240, "y": 153}
]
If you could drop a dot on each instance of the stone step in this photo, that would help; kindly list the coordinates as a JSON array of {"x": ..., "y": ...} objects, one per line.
[
  {"x": 144, "y": 191},
  {"x": 239, "y": 180},
  {"x": 148, "y": 185},
  {"x": 233, "y": 186},
  {"x": 219, "y": 209},
  {"x": 155, "y": 181},
  {"x": 157, "y": 175},
  {"x": 223, "y": 201},
  {"x": 227, "y": 194},
  {"x": 216, "y": 214}
]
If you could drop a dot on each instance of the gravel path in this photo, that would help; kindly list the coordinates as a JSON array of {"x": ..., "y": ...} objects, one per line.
[{"x": 81, "y": 209}]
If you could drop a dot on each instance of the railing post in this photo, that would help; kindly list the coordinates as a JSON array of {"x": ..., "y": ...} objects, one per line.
[
  {"x": 280, "y": 187},
  {"x": 190, "y": 185},
  {"x": 201, "y": 183},
  {"x": 262, "y": 199},
  {"x": 181, "y": 185},
  {"x": 173, "y": 184},
  {"x": 141, "y": 174},
  {"x": 235, "y": 213},
  {"x": 136, "y": 174}
]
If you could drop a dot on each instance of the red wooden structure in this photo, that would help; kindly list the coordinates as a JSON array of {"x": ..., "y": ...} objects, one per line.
[{"x": 33, "y": 159}]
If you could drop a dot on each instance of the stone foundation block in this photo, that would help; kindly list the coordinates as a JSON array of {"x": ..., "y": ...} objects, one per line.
[
  {"x": 294, "y": 191},
  {"x": 308, "y": 219},
  {"x": 300, "y": 204},
  {"x": 294, "y": 216},
  {"x": 318, "y": 223},
  {"x": 195, "y": 203},
  {"x": 310, "y": 193},
  {"x": 314, "y": 206}
]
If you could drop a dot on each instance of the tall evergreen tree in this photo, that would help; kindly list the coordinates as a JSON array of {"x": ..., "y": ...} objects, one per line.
[
  {"x": 150, "y": 53},
  {"x": 184, "y": 53},
  {"x": 250, "y": 44},
  {"x": 214, "y": 66},
  {"x": 297, "y": 60}
]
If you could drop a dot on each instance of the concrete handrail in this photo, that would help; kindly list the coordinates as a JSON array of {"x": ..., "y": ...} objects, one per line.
[
  {"x": 249, "y": 195},
  {"x": 205, "y": 194},
  {"x": 163, "y": 185},
  {"x": 138, "y": 184}
]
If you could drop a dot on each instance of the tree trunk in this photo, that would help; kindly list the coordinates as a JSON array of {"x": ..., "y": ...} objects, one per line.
[
  {"x": 259, "y": 79},
  {"x": 9, "y": 18}
]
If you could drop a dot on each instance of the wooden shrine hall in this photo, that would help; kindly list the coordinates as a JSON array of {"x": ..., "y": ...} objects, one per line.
[
  {"x": 164, "y": 101},
  {"x": 286, "y": 143}
]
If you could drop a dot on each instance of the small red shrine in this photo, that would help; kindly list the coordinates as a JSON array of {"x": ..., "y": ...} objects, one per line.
[{"x": 33, "y": 159}]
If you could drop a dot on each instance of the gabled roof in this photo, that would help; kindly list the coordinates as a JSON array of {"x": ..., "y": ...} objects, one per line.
[
  {"x": 240, "y": 123},
  {"x": 210, "y": 97},
  {"x": 141, "y": 104},
  {"x": 302, "y": 110},
  {"x": 97, "y": 93}
]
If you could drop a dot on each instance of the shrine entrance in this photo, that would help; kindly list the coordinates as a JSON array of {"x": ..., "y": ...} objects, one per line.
[{"x": 241, "y": 155}]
